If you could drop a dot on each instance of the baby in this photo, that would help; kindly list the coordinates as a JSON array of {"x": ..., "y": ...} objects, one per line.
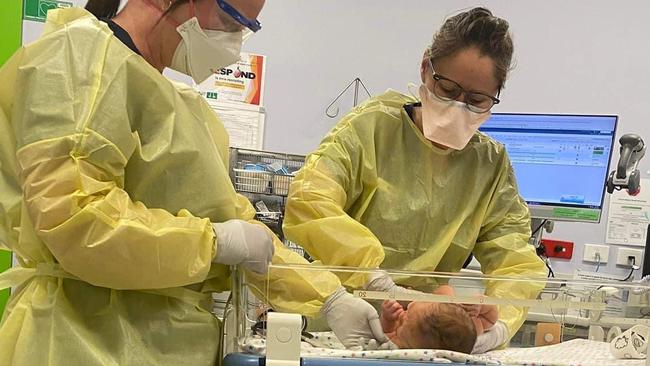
[{"x": 429, "y": 325}]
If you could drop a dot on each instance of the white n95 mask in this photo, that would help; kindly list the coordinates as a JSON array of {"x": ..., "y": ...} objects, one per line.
[
  {"x": 202, "y": 52},
  {"x": 448, "y": 123}
]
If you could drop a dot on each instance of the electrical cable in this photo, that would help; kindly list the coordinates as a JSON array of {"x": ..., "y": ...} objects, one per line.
[
  {"x": 539, "y": 227},
  {"x": 631, "y": 271},
  {"x": 541, "y": 253},
  {"x": 551, "y": 274},
  {"x": 644, "y": 314}
]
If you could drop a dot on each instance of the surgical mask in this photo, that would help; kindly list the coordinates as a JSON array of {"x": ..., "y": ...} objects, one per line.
[
  {"x": 448, "y": 123},
  {"x": 202, "y": 52}
]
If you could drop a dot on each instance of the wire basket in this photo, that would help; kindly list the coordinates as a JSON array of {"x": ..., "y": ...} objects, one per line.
[
  {"x": 281, "y": 183},
  {"x": 252, "y": 181},
  {"x": 294, "y": 247},
  {"x": 270, "y": 218}
]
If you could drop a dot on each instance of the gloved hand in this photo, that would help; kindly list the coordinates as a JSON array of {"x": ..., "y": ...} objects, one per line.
[
  {"x": 381, "y": 281},
  {"x": 492, "y": 338},
  {"x": 353, "y": 320},
  {"x": 239, "y": 242}
]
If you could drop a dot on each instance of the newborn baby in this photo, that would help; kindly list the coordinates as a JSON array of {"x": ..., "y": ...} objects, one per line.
[
  {"x": 429, "y": 325},
  {"x": 483, "y": 316}
]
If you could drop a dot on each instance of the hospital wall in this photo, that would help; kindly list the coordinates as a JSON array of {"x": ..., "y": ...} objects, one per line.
[
  {"x": 9, "y": 42},
  {"x": 584, "y": 57}
]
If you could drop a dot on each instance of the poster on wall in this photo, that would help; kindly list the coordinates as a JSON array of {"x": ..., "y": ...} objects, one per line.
[
  {"x": 35, "y": 13},
  {"x": 629, "y": 216},
  {"x": 241, "y": 82},
  {"x": 244, "y": 123},
  {"x": 36, "y": 10}
]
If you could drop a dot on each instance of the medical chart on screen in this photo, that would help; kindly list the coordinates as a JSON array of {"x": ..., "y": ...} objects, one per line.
[
  {"x": 629, "y": 216},
  {"x": 241, "y": 82}
]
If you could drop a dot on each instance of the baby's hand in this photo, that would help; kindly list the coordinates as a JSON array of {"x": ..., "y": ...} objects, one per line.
[
  {"x": 391, "y": 311},
  {"x": 472, "y": 309}
]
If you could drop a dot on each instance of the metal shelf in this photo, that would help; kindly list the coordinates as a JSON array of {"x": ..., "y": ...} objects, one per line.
[{"x": 268, "y": 185}]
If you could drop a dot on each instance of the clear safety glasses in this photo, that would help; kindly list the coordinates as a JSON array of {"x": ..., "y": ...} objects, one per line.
[
  {"x": 252, "y": 24},
  {"x": 447, "y": 89}
]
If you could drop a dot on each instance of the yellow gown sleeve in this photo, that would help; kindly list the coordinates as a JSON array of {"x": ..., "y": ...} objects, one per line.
[
  {"x": 502, "y": 249},
  {"x": 10, "y": 192},
  {"x": 288, "y": 290},
  {"x": 316, "y": 215},
  {"x": 292, "y": 290},
  {"x": 74, "y": 142}
]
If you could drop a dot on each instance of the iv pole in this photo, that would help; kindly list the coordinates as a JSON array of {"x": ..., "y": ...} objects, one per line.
[{"x": 356, "y": 82}]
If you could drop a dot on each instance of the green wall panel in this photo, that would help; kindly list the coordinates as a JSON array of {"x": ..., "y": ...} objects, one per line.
[{"x": 11, "y": 28}]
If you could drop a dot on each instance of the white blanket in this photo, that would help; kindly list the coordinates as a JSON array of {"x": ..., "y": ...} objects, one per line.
[
  {"x": 578, "y": 352},
  {"x": 325, "y": 345}
]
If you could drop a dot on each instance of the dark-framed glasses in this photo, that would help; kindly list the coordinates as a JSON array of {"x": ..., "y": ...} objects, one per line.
[
  {"x": 252, "y": 24},
  {"x": 447, "y": 89}
]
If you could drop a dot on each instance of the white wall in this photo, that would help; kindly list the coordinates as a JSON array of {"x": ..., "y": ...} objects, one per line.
[{"x": 572, "y": 57}]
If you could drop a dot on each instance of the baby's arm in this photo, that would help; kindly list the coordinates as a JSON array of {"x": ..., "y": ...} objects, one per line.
[
  {"x": 444, "y": 290},
  {"x": 391, "y": 311},
  {"x": 478, "y": 325},
  {"x": 484, "y": 316},
  {"x": 488, "y": 316}
]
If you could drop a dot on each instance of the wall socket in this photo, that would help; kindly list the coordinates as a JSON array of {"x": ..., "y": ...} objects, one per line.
[
  {"x": 593, "y": 251},
  {"x": 625, "y": 253}
]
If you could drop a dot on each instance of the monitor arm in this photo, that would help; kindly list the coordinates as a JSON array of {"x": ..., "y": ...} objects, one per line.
[{"x": 627, "y": 175}]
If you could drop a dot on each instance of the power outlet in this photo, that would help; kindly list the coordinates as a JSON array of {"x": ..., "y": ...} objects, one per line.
[
  {"x": 596, "y": 253},
  {"x": 625, "y": 253},
  {"x": 557, "y": 248}
]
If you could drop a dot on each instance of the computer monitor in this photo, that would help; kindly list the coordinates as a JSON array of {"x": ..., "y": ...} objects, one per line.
[{"x": 561, "y": 161}]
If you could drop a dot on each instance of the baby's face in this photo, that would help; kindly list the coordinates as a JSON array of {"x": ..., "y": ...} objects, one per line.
[{"x": 407, "y": 332}]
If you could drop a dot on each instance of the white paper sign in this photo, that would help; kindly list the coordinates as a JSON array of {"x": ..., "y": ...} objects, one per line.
[
  {"x": 244, "y": 123},
  {"x": 241, "y": 82},
  {"x": 629, "y": 216}
]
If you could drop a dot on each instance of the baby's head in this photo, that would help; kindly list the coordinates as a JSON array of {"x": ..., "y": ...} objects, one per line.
[{"x": 427, "y": 325}]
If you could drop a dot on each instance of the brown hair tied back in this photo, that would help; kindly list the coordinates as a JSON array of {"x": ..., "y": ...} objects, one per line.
[
  {"x": 107, "y": 9},
  {"x": 103, "y": 9},
  {"x": 478, "y": 28}
]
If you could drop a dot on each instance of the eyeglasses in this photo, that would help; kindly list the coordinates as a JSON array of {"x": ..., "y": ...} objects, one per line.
[
  {"x": 252, "y": 24},
  {"x": 447, "y": 89}
]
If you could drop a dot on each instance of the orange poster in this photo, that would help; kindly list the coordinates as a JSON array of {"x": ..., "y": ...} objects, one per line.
[{"x": 241, "y": 82}]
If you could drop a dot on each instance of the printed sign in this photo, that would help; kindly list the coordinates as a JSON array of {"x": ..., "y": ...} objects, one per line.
[
  {"x": 629, "y": 217},
  {"x": 241, "y": 82},
  {"x": 36, "y": 10}
]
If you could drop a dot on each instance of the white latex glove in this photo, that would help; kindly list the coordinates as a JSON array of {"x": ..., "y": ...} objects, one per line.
[
  {"x": 492, "y": 338},
  {"x": 353, "y": 320},
  {"x": 239, "y": 242},
  {"x": 381, "y": 281}
]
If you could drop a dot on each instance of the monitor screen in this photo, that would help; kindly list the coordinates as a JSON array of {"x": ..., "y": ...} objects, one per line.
[{"x": 561, "y": 161}]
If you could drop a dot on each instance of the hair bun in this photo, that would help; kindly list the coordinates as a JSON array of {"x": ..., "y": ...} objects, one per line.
[{"x": 476, "y": 27}]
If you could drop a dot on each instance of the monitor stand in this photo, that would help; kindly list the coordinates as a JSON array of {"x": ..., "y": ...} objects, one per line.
[{"x": 537, "y": 227}]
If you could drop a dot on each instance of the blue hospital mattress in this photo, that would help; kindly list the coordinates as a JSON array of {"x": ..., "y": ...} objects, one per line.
[{"x": 243, "y": 359}]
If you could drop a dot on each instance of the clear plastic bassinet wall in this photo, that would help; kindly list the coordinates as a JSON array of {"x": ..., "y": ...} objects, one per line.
[{"x": 544, "y": 320}]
